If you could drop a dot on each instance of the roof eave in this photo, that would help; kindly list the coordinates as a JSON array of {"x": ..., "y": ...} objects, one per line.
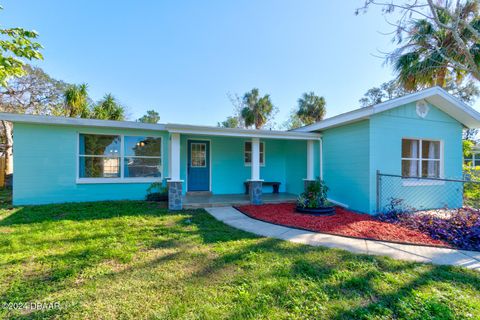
[
  {"x": 238, "y": 132},
  {"x": 39, "y": 119},
  {"x": 173, "y": 128},
  {"x": 457, "y": 109}
]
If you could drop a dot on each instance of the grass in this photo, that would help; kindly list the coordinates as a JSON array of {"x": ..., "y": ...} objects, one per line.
[{"x": 134, "y": 260}]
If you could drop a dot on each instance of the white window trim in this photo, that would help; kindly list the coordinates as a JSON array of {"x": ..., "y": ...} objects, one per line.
[
  {"x": 418, "y": 182},
  {"x": 249, "y": 164},
  {"x": 122, "y": 178},
  {"x": 413, "y": 182}
]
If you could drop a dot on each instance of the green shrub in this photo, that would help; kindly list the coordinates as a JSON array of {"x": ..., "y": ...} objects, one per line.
[{"x": 315, "y": 196}]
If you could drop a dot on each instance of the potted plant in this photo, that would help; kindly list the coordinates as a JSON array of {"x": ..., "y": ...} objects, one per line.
[
  {"x": 157, "y": 192},
  {"x": 314, "y": 200}
]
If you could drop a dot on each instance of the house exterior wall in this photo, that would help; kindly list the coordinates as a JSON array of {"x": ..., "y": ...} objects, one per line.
[
  {"x": 45, "y": 161},
  {"x": 296, "y": 164},
  {"x": 346, "y": 164},
  {"x": 354, "y": 152},
  {"x": 45, "y": 166},
  {"x": 285, "y": 162},
  {"x": 386, "y": 132}
]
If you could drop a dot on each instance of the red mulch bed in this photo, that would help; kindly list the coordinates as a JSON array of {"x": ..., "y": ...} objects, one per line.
[{"x": 343, "y": 223}]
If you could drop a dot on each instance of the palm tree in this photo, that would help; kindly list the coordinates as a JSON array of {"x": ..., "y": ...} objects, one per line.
[
  {"x": 256, "y": 110},
  {"x": 76, "y": 101},
  {"x": 108, "y": 109},
  {"x": 311, "y": 108},
  {"x": 424, "y": 59}
]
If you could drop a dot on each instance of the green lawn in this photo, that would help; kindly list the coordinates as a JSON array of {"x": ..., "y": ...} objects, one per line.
[{"x": 134, "y": 260}]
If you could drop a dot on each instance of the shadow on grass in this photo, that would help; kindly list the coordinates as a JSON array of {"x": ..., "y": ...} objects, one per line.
[
  {"x": 347, "y": 277},
  {"x": 64, "y": 267},
  {"x": 266, "y": 267},
  {"x": 83, "y": 211}
]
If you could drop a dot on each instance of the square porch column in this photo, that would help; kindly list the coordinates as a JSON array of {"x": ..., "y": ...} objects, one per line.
[
  {"x": 310, "y": 160},
  {"x": 175, "y": 184},
  {"x": 255, "y": 183}
]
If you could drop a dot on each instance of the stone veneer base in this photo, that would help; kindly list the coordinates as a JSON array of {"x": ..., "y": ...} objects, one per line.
[
  {"x": 255, "y": 192},
  {"x": 175, "y": 195}
]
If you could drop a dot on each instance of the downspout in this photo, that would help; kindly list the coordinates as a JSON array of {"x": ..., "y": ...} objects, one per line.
[{"x": 321, "y": 158}]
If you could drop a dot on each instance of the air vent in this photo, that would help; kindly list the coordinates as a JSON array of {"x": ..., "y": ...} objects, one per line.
[{"x": 422, "y": 108}]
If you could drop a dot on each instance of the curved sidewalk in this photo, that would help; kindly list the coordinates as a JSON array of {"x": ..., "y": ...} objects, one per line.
[{"x": 236, "y": 219}]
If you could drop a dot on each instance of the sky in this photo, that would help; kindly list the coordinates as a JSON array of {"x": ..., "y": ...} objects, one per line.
[{"x": 182, "y": 58}]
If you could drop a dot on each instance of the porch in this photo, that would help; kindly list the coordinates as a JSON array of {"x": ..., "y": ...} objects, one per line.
[
  {"x": 221, "y": 200},
  {"x": 220, "y": 164}
]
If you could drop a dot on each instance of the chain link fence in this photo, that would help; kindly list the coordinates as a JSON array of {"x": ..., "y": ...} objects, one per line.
[{"x": 405, "y": 194}]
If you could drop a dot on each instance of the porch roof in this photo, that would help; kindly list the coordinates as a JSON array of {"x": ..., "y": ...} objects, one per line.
[
  {"x": 237, "y": 132},
  {"x": 171, "y": 127}
]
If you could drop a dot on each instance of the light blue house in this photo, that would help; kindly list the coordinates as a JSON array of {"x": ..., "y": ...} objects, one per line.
[{"x": 419, "y": 135}]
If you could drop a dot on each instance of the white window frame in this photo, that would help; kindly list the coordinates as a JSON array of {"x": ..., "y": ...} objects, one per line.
[
  {"x": 423, "y": 181},
  {"x": 122, "y": 178},
  {"x": 249, "y": 164}
]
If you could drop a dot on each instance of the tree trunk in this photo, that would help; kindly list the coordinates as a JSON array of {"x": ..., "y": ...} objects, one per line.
[
  {"x": 8, "y": 132},
  {"x": 440, "y": 81}
]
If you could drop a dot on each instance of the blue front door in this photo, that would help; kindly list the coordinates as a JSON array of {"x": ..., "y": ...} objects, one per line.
[{"x": 198, "y": 166}]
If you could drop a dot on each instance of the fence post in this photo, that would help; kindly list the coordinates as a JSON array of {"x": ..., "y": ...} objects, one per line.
[
  {"x": 2, "y": 172},
  {"x": 378, "y": 191}
]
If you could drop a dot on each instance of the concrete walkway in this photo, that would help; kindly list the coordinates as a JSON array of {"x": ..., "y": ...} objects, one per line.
[{"x": 236, "y": 219}]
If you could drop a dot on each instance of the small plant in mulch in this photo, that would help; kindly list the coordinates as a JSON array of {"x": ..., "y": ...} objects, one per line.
[
  {"x": 314, "y": 199},
  {"x": 459, "y": 227},
  {"x": 157, "y": 192}
]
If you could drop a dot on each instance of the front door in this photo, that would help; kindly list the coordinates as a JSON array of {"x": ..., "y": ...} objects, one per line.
[{"x": 198, "y": 166}]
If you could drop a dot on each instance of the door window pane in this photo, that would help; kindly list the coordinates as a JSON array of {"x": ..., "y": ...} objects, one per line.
[{"x": 198, "y": 154}]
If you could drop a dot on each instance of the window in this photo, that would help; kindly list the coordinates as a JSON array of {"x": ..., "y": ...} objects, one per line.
[
  {"x": 142, "y": 157},
  {"x": 102, "y": 157},
  {"x": 473, "y": 160},
  {"x": 99, "y": 156},
  {"x": 421, "y": 158},
  {"x": 198, "y": 155},
  {"x": 248, "y": 153}
]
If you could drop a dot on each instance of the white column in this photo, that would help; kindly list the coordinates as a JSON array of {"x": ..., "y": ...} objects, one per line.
[
  {"x": 255, "y": 159},
  {"x": 310, "y": 160},
  {"x": 175, "y": 157}
]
